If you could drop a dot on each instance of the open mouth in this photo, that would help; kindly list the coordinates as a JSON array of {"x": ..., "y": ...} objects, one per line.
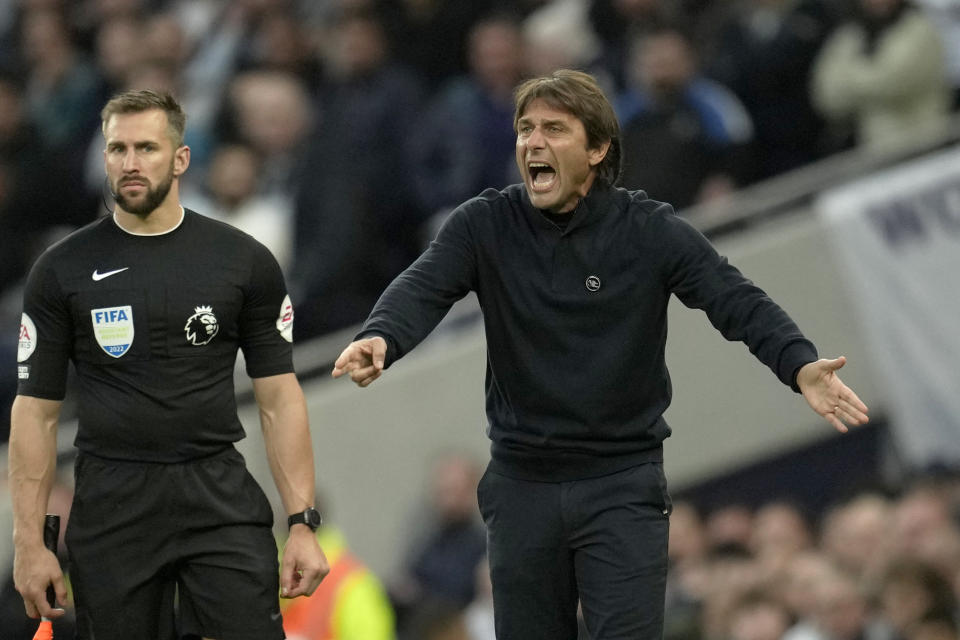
[{"x": 542, "y": 175}]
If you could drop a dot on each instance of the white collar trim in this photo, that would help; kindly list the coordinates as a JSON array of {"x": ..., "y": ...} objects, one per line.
[{"x": 158, "y": 233}]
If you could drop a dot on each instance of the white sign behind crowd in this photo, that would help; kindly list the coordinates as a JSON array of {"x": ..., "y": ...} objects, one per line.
[{"x": 897, "y": 239}]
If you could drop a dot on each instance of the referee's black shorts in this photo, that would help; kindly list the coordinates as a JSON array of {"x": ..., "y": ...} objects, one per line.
[{"x": 166, "y": 550}]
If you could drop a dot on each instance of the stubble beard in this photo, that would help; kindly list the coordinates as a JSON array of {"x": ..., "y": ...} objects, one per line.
[{"x": 150, "y": 201}]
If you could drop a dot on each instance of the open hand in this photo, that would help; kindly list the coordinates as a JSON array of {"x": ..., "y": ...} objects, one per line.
[{"x": 828, "y": 396}]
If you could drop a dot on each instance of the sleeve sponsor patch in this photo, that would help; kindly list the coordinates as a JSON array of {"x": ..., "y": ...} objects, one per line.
[
  {"x": 285, "y": 321},
  {"x": 27, "y": 343},
  {"x": 23, "y": 372}
]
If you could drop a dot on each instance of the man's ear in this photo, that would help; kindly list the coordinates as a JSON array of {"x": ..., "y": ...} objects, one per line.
[
  {"x": 181, "y": 160},
  {"x": 596, "y": 156}
]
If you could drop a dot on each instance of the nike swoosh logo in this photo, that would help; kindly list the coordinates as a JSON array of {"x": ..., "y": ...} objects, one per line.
[{"x": 100, "y": 276}]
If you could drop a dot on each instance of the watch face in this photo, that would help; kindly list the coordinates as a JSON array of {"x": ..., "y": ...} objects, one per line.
[{"x": 309, "y": 516}]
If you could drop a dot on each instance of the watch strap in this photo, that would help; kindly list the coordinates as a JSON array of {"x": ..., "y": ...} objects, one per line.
[{"x": 309, "y": 516}]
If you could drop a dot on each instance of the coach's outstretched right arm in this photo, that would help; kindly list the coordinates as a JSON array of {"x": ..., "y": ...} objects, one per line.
[{"x": 417, "y": 299}]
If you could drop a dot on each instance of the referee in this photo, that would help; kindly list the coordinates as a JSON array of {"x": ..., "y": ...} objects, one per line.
[
  {"x": 169, "y": 535},
  {"x": 574, "y": 276}
]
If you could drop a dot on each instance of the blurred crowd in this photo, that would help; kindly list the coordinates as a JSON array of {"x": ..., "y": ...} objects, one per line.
[
  {"x": 878, "y": 563},
  {"x": 338, "y": 132}
]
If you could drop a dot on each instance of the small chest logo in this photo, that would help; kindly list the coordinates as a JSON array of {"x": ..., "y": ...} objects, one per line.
[
  {"x": 113, "y": 329},
  {"x": 593, "y": 283},
  {"x": 202, "y": 326}
]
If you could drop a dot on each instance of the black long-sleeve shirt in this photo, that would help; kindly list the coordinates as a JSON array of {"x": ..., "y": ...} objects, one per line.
[
  {"x": 576, "y": 322},
  {"x": 152, "y": 324}
]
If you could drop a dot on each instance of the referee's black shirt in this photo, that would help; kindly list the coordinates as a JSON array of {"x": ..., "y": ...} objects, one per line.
[{"x": 152, "y": 324}]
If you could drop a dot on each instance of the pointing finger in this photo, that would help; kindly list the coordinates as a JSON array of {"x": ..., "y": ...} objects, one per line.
[{"x": 366, "y": 382}]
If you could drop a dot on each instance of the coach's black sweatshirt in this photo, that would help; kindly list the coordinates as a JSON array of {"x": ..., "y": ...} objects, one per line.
[{"x": 576, "y": 322}]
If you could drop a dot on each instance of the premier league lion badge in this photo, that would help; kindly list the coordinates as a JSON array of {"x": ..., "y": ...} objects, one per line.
[{"x": 202, "y": 326}]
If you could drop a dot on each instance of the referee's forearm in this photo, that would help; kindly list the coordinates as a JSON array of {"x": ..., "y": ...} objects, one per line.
[
  {"x": 291, "y": 464},
  {"x": 286, "y": 434},
  {"x": 32, "y": 464}
]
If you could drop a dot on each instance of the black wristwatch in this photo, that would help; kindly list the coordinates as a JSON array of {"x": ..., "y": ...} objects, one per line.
[{"x": 309, "y": 516}]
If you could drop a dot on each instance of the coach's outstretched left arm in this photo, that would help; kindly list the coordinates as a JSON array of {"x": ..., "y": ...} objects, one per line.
[{"x": 829, "y": 396}]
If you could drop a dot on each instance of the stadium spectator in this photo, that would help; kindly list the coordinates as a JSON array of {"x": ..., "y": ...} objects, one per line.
[
  {"x": 685, "y": 138},
  {"x": 688, "y": 538},
  {"x": 941, "y": 549},
  {"x": 732, "y": 575},
  {"x": 465, "y": 142},
  {"x": 758, "y": 616},
  {"x": 617, "y": 23},
  {"x": 356, "y": 221},
  {"x": 88, "y": 16},
  {"x": 884, "y": 74},
  {"x": 729, "y": 526},
  {"x": 31, "y": 174},
  {"x": 118, "y": 52},
  {"x": 559, "y": 35},
  {"x": 843, "y": 611},
  {"x": 856, "y": 534},
  {"x": 780, "y": 532},
  {"x": 280, "y": 41},
  {"x": 798, "y": 584},
  {"x": 431, "y": 36},
  {"x": 62, "y": 89},
  {"x": 202, "y": 70},
  {"x": 920, "y": 514},
  {"x": 934, "y": 627},
  {"x": 272, "y": 113},
  {"x": 230, "y": 194},
  {"x": 911, "y": 590},
  {"x": 442, "y": 565},
  {"x": 764, "y": 52}
]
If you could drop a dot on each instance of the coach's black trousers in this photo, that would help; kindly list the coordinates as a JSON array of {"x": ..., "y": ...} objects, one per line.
[{"x": 600, "y": 541}]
